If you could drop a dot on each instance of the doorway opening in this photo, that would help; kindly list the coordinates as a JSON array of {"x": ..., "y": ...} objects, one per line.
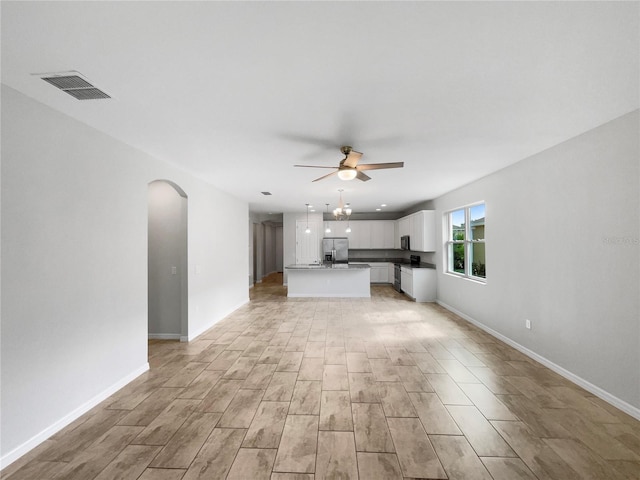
[
  {"x": 254, "y": 270},
  {"x": 167, "y": 262},
  {"x": 267, "y": 246}
]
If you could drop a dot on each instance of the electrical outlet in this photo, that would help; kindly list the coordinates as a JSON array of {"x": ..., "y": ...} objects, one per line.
[
  {"x": 527, "y": 324},
  {"x": 174, "y": 270}
]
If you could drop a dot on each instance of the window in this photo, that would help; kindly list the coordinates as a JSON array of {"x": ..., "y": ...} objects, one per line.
[{"x": 465, "y": 243}]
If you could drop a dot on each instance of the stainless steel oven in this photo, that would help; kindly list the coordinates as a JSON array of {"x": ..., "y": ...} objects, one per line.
[{"x": 397, "y": 275}]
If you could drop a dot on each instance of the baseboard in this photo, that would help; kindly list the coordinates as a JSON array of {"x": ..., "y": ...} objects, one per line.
[
  {"x": 164, "y": 336},
  {"x": 37, "y": 439},
  {"x": 201, "y": 330},
  {"x": 597, "y": 391},
  {"x": 325, "y": 295}
]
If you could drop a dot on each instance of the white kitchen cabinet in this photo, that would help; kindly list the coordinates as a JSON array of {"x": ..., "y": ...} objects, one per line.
[
  {"x": 391, "y": 272},
  {"x": 396, "y": 234},
  {"x": 370, "y": 234},
  {"x": 338, "y": 228},
  {"x": 379, "y": 272},
  {"x": 404, "y": 226},
  {"x": 360, "y": 234},
  {"x": 421, "y": 228},
  {"x": 406, "y": 280},
  {"x": 382, "y": 234},
  {"x": 419, "y": 283}
]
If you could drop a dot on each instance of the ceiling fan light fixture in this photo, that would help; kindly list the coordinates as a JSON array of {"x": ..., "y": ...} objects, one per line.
[
  {"x": 347, "y": 173},
  {"x": 349, "y": 168}
]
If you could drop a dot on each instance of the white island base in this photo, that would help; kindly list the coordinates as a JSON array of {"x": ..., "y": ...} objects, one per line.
[{"x": 350, "y": 281}]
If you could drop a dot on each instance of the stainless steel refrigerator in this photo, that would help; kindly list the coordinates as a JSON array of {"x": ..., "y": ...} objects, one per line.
[{"x": 335, "y": 249}]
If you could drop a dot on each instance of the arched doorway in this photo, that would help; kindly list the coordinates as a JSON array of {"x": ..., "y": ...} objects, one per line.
[{"x": 167, "y": 261}]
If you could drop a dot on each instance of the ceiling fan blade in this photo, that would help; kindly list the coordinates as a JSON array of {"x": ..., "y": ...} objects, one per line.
[
  {"x": 352, "y": 159},
  {"x": 312, "y": 166},
  {"x": 363, "y": 177},
  {"x": 325, "y": 176},
  {"x": 378, "y": 166}
]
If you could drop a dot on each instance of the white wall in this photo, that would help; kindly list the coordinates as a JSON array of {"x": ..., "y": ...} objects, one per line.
[
  {"x": 74, "y": 266},
  {"x": 563, "y": 241}
]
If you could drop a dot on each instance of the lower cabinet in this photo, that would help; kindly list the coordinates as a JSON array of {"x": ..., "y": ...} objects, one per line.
[
  {"x": 419, "y": 283},
  {"x": 379, "y": 272},
  {"x": 406, "y": 280}
]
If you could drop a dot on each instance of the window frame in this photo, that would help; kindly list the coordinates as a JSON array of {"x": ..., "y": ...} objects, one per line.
[{"x": 468, "y": 243}]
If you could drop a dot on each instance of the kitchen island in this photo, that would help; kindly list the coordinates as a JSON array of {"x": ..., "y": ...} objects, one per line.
[{"x": 328, "y": 280}]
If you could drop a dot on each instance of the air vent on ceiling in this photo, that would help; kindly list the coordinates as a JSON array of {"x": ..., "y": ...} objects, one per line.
[
  {"x": 73, "y": 84},
  {"x": 266, "y": 193}
]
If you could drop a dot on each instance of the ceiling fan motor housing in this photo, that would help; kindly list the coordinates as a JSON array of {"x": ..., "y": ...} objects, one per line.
[{"x": 346, "y": 149}]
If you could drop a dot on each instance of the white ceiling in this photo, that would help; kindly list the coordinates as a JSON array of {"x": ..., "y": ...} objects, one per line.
[{"x": 238, "y": 93}]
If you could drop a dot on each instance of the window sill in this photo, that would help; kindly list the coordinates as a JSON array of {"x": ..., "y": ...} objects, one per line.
[{"x": 464, "y": 277}]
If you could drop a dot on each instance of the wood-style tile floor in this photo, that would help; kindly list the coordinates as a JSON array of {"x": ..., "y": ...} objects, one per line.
[{"x": 342, "y": 388}]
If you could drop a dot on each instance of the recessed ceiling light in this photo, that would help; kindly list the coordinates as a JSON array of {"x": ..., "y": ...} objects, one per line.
[
  {"x": 266, "y": 193},
  {"x": 378, "y": 209},
  {"x": 383, "y": 205}
]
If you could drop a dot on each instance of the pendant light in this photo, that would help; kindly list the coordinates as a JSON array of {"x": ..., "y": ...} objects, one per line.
[
  {"x": 308, "y": 230},
  {"x": 328, "y": 229}
]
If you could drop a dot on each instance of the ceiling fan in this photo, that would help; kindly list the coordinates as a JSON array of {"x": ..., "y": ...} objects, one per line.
[{"x": 348, "y": 169}]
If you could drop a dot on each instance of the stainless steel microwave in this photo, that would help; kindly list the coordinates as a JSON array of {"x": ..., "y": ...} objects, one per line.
[{"x": 404, "y": 242}]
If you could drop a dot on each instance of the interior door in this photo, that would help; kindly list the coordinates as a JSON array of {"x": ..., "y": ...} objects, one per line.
[{"x": 307, "y": 244}]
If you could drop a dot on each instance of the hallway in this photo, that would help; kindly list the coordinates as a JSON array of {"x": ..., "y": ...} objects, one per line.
[{"x": 378, "y": 388}]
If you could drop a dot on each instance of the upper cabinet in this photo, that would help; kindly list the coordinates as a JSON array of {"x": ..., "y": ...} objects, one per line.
[
  {"x": 421, "y": 228},
  {"x": 365, "y": 234},
  {"x": 360, "y": 234},
  {"x": 385, "y": 234},
  {"x": 338, "y": 229},
  {"x": 405, "y": 226}
]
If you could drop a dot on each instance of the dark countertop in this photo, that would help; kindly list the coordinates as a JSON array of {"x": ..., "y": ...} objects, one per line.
[
  {"x": 402, "y": 261},
  {"x": 326, "y": 266}
]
